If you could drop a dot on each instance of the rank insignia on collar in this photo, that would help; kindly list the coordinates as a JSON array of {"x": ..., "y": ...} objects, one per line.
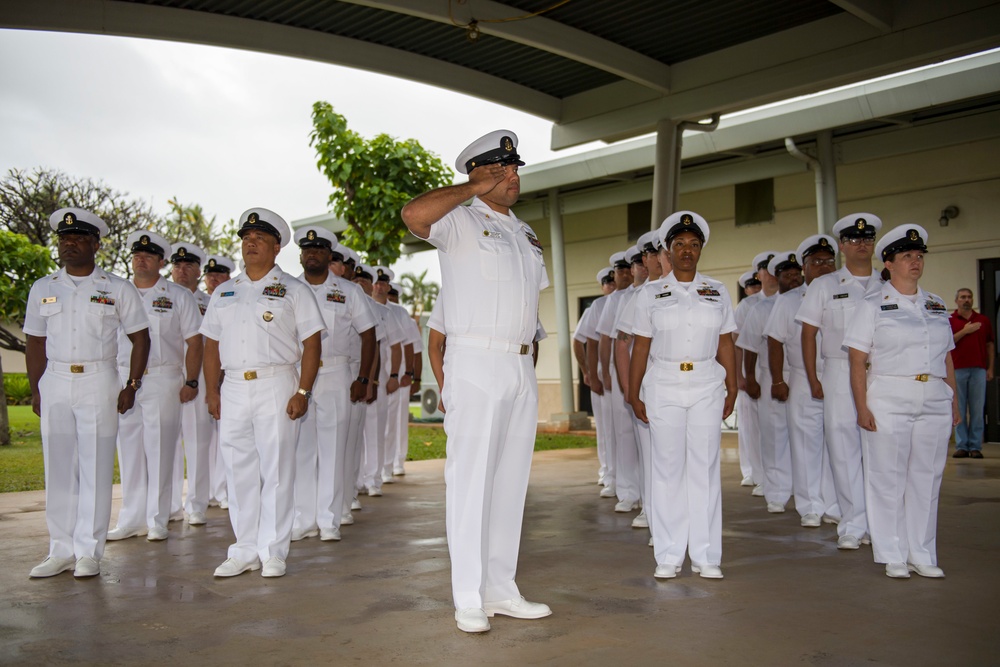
[{"x": 275, "y": 290}]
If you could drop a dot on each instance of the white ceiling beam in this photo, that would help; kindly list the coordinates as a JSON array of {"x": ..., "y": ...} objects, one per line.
[
  {"x": 877, "y": 13},
  {"x": 541, "y": 33},
  {"x": 128, "y": 19},
  {"x": 821, "y": 55}
]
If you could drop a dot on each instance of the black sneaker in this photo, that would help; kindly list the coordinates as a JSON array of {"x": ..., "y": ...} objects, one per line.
[
  {"x": 975, "y": 454},
  {"x": 961, "y": 454}
]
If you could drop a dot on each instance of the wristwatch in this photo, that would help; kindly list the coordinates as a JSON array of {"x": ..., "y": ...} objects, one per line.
[
  {"x": 192, "y": 383},
  {"x": 305, "y": 392},
  {"x": 362, "y": 379},
  {"x": 394, "y": 375},
  {"x": 135, "y": 383}
]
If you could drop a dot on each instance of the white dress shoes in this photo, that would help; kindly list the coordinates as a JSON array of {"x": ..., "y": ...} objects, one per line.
[
  {"x": 626, "y": 505},
  {"x": 609, "y": 492},
  {"x": 897, "y": 570},
  {"x": 747, "y": 481},
  {"x": 472, "y": 620},
  {"x": 387, "y": 479},
  {"x": 758, "y": 491},
  {"x": 848, "y": 542},
  {"x": 355, "y": 504},
  {"x": 810, "y": 521},
  {"x": 197, "y": 519},
  {"x": 223, "y": 504},
  {"x": 399, "y": 471},
  {"x": 273, "y": 567},
  {"x": 775, "y": 508},
  {"x": 374, "y": 491},
  {"x": 303, "y": 534},
  {"x": 86, "y": 567},
  {"x": 120, "y": 533},
  {"x": 517, "y": 608},
  {"x": 929, "y": 571},
  {"x": 232, "y": 567},
  {"x": 640, "y": 520},
  {"x": 157, "y": 534},
  {"x": 666, "y": 571},
  {"x": 329, "y": 534},
  {"x": 707, "y": 571},
  {"x": 51, "y": 566},
  {"x": 346, "y": 519},
  {"x": 827, "y": 518}
]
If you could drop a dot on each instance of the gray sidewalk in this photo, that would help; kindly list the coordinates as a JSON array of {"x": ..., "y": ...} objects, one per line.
[{"x": 382, "y": 595}]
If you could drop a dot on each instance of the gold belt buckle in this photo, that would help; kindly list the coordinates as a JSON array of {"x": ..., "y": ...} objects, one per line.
[
  {"x": 523, "y": 350},
  {"x": 76, "y": 368},
  {"x": 250, "y": 375},
  {"x": 687, "y": 366},
  {"x": 321, "y": 363},
  {"x": 923, "y": 377}
]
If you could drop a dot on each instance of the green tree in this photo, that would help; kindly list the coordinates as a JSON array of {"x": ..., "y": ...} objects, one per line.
[
  {"x": 418, "y": 292},
  {"x": 28, "y": 198},
  {"x": 187, "y": 222},
  {"x": 372, "y": 179},
  {"x": 24, "y": 262}
]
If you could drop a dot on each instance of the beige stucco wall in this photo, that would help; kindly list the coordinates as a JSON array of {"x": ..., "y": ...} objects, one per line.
[{"x": 908, "y": 188}]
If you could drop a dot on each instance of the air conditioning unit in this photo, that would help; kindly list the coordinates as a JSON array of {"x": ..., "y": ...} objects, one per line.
[{"x": 429, "y": 402}]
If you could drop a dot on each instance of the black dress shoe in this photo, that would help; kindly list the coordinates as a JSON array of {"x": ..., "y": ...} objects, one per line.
[
  {"x": 975, "y": 454},
  {"x": 960, "y": 454}
]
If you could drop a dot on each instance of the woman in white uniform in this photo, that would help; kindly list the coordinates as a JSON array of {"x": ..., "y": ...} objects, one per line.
[
  {"x": 682, "y": 326},
  {"x": 906, "y": 405}
]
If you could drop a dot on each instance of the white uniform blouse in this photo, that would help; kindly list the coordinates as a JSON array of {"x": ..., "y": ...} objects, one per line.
[
  {"x": 829, "y": 306},
  {"x": 783, "y": 327},
  {"x": 173, "y": 318},
  {"x": 80, "y": 323},
  {"x": 684, "y": 321},
  {"x": 492, "y": 268},
  {"x": 346, "y": 310},
  {"x": 262, "y": 323},
  {"x": 901, "y": 337}
]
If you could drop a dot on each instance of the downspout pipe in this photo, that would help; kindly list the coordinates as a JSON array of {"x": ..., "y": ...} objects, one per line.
[{"x": 814, "y": 164}]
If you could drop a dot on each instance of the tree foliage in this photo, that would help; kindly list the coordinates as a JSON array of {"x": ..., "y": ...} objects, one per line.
[
  {"x": 188, "y": 222},
  {"x": 24, "y": 262},
  {"x": 372, "y": 179},
  {"x": 418, "y": 292}
]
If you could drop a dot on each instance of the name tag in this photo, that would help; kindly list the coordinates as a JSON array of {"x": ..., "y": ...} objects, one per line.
[
  {"x": 225, "y": 294},
  {"x": 841, "y": 296},
  {"x": 49, "y": 299},
  {"x": 662, "y": 294},
  {"x": 891, "y": 306}
]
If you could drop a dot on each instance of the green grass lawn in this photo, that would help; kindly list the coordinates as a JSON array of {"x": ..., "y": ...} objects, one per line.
[{"x": 21, "y": 467}]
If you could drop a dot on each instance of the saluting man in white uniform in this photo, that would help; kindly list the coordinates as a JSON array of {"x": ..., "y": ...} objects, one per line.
[
  {"x": 217, "y": 271},
  {"x": 828, "y": 308},
  {"x": 812, "y": 484},
  {"x": 322, "y": 445},
  {"x": 71, "y": 324},
  {"x": 682, "y": 382},
  {"x": 148, "y": 433},
  {"x": 195, "y": 441},
  {"x": 257, "y": 327},
  {"x": 492, "y": 270}
]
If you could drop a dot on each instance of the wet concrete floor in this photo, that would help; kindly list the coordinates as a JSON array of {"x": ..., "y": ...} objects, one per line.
[{"x": 382, "y": 595}]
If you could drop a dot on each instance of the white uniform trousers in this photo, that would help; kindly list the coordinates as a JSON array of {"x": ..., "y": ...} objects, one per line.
[
  {"x": 216, "y": 464},
  {"x": 628, "y": 477},
  {"x": 605, "y": 474},
  {"x": 685, "y": 421},
  {"x": 79, "y": 425},
  {"x": 748, "y": 438},
  {"x": 403, "y": 433},
  {"x": 774, "y": 454},
  {"x": 843, "y": 446},
  {"x": 393, "y": 404},
  {"x": 258, "y": 441},
  {"x": 374, "y": 441},
  {"x": 319, "y": 457},
  {"x": 643, "y": 440},
  {"x": 492, "y": 402},
  {"x": 147, "y": 439},
  {"x": 806, "y": 445},
  {"x": 195, "y": 444},
  {"x": 904, "y": 463},
  {"x": 354, "y": 447}
]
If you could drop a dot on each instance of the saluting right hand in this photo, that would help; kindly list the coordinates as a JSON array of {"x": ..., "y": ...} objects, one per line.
[{"x": 485, "y": 178}]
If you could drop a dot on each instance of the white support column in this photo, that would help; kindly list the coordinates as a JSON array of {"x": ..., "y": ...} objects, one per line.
[
  {"x": 827, "y": 204},
  {"x": 568, "y": 419},
  {"x": 666, "y": 170}
]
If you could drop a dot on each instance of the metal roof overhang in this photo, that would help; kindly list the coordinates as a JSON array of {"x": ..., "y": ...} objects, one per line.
[{"x": 599, "y": 70}]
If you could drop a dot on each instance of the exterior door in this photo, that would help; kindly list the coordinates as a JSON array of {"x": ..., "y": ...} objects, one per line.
[{"x": 989, "y": 305}]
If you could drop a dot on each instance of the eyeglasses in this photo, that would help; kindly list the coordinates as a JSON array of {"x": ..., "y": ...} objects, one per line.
[
  {"x": 830, "y": 261},
  {"x": 858, "y": 241}
]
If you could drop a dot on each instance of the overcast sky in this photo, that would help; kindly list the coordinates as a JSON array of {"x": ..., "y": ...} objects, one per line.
[{"x": 223, "y": 128}]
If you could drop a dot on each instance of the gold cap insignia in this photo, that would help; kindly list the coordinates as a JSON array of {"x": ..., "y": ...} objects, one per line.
[
  {"x": 252, "y": 218},
  {"x": 791, "y": 257},
  {"x": 507, "y": 144},
  {"x": 860, "y": 223},
  {"x": 182, "y": 251},
  {"x": 268, "y": 316},
  {"x": 211, "y": 262},
  {"x": 144, "y": 240},
  {"x": 824, "y": 242},
  {"x": 69, "y": 218},
  {"x": 381, "y": 273},
  {"x": 913, "y": 235},
  {"x": 687, "y": 219},
  {"x": 311, "y": 235}
]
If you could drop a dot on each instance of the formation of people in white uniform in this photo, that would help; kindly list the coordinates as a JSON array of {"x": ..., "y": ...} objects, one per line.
[
  {"x": 796, "y": 357},
  {"x": 285, "y": 397}
]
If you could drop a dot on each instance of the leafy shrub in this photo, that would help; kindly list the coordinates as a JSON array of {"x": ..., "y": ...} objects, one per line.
[{"x": 15, "y": 385}]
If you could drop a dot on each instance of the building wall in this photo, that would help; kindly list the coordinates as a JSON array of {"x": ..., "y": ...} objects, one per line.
[
  {"x": 911, "y": 188},
  {"x": 13, "y": 362}
]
